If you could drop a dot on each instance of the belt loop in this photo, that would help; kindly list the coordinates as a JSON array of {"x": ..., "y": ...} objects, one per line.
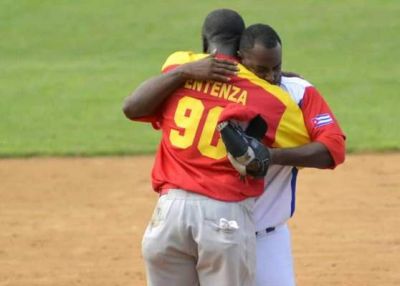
[{"x": 267, "y": 230}]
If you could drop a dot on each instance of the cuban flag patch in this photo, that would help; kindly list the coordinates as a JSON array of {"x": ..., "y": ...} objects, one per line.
[{"x": 322, "y": 119}]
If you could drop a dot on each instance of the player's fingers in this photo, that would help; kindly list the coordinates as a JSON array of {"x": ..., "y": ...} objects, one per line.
[
  {"x": 230, "y": 66},
  {"x": 226, "y": 62},
  {"x": 219, "y": 77},
  {"x": 224, "y": 71}
]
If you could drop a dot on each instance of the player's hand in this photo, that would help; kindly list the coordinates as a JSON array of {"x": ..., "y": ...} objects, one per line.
[{"x": 210, "y": 68}]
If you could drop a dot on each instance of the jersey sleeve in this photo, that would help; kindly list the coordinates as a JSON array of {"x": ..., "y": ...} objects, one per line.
[
  {"x": 176, "y": 59},
  {"x": 322, "y": 124}
]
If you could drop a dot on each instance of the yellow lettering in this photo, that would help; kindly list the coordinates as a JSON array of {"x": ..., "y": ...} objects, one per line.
[
  {"x": 242, "y": 98},
  {"x": 206, "y": 86},
  {"x": 188, "y": 84},
  {"x": 197, "y": 85},
  {"x": 215, "y": 88},
  {"x": 235, "y": 91},
  {"x": 219, "y": 89},
  {"x": 225, "y": 90}
]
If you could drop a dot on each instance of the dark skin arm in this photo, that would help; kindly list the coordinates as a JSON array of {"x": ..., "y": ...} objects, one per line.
[
  {"x": 151, "y": 93},
  {"x": 145, "y": 100},
  {"x": 312, "y": 155}
]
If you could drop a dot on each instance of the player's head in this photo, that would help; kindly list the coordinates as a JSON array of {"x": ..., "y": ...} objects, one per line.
[
  {"x": 222, "y": 28},
  {"x": 261, "y": 52}
]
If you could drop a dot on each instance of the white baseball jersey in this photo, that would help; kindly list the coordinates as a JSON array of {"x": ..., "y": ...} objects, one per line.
[{"x": 277, "y": 204}]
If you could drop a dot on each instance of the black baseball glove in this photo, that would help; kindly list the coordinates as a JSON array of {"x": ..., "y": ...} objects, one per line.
[{"x": 246, "y": 153}]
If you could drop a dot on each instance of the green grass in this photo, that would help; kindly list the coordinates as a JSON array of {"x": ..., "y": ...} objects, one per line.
[{"x": 65, "y": 66}]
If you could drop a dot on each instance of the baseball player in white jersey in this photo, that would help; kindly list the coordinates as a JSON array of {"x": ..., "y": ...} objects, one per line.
[
  {"x": 274, "y": 208},
  {"x": 260, "y": 50}
]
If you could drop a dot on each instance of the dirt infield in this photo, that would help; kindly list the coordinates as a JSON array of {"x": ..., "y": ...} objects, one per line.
[{"x": 80, "y": 221}]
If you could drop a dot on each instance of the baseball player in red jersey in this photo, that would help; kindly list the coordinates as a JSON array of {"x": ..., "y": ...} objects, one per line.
[{"x": 201, "y": 232}]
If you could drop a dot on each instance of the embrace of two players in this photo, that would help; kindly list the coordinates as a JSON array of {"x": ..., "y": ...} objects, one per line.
[{"x": 234, "y": 130}]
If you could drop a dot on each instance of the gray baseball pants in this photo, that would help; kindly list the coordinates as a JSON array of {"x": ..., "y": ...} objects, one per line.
[{"x": 194, "y": 240}]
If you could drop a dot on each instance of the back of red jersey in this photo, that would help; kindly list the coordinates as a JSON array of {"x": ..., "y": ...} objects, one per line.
[{"x": 191, "y": 154}]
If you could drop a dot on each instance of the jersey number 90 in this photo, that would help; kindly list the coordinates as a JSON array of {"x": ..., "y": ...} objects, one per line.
[{"x": 187, "y": 116}]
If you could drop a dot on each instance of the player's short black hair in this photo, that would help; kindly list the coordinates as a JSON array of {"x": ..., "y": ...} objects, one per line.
[
  {"x": 261, "y": 34},
  {"x": 223, "y": 26}
]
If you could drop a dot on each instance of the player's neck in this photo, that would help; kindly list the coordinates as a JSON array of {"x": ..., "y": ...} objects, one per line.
[{"x": 222, "y": 49}]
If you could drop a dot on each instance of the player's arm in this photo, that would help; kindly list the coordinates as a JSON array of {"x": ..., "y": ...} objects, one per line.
[
  {"x": 312, "y": 155},
  {"x": 145, "y": 100},
  {"x": 254, "y": 161}
]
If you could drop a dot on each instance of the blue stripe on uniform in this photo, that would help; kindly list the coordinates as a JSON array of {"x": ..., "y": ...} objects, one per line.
[{"x": 293, "y": 187}]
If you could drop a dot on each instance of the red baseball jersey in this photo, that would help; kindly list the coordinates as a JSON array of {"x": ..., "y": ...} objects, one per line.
[{"x": 191, "y": 154}]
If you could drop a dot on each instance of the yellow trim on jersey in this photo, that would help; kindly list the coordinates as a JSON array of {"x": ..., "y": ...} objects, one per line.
[
  {"x": 182, "y": 57},
  {"x": 291, "y": 131}
]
